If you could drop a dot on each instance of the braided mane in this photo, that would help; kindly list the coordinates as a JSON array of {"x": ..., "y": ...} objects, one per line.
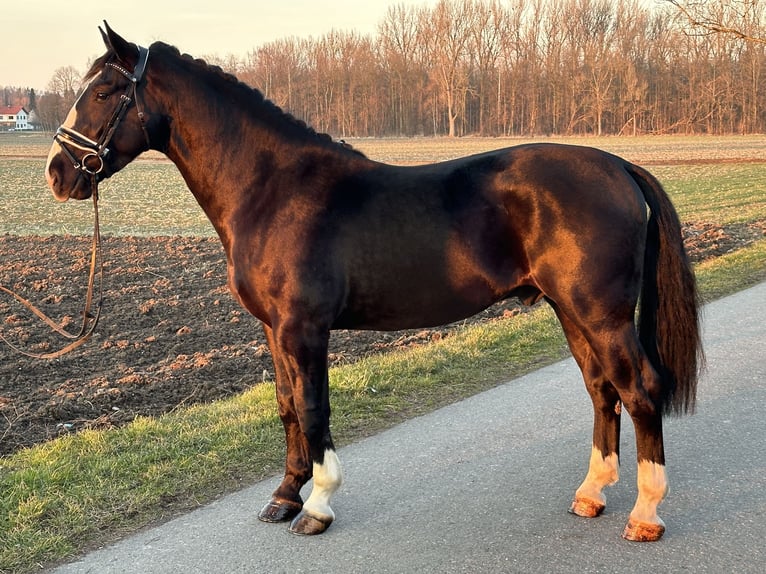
[{"x": 254, "y": 95}]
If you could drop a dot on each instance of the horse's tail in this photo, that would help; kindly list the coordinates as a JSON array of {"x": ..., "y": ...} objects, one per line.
[{"x": 669, "y": 326}]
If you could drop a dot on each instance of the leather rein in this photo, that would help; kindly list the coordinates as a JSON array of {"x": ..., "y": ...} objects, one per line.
[{"x": 90, "y": 164}]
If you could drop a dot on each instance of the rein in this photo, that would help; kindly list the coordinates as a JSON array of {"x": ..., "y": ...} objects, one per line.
[
  {"x": 89, "y": 321},
  {"x": 95, "y": 150}
]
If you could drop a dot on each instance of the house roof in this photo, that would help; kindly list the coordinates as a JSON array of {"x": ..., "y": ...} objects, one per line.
[{"x": 11, "y": 110}]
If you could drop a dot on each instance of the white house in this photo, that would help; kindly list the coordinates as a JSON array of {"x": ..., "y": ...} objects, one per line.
[{"x": 14, "y": 118}]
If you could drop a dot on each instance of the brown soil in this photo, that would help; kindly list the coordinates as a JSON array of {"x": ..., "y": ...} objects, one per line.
[{"x": 170, "y": 333}]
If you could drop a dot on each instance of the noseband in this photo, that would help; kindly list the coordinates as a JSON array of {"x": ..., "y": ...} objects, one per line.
[{"x": 92, "y": 163}]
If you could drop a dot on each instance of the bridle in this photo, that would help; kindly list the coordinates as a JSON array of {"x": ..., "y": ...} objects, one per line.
[
  {"x": 95, "y": 151},
  {"x": 98, "y": 150}
]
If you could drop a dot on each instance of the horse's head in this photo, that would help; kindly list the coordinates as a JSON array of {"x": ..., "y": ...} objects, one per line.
[{"x": 108, "y": 125}]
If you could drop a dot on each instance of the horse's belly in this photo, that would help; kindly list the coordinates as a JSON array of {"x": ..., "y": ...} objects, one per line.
[{"x": 415, "y": 304}]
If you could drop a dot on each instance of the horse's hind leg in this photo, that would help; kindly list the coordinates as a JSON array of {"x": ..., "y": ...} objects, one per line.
[
  {"x": 627, "y": 366},
  {"x": 603, "y": 470}
]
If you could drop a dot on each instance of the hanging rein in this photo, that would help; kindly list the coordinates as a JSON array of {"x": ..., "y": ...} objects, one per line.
[{"x": 90, "y": 164}]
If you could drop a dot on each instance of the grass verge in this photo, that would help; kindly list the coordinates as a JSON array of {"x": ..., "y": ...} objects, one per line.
[
  {"x": 69, "y": 493},
  {"x": 733, "y": 272}
]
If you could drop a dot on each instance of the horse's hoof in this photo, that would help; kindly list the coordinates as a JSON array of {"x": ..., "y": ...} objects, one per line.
[
  {"x": 279, "y": 510},
  {"x": 587, "y": 507},
  {"x": 643, "y": 531},
  {"x": 309, "y": 525}
]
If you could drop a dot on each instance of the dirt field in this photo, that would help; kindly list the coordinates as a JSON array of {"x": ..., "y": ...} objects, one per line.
[{"x": 170, "y": 333}]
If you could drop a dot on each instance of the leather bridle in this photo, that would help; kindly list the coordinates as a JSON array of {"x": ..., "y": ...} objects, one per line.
[
  {"x": 95, "y": 151},
  {"x": 98, "y": 150}
]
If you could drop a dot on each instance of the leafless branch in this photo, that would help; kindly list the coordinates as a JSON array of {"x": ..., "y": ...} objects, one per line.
[{"x": 702, "y": 17}]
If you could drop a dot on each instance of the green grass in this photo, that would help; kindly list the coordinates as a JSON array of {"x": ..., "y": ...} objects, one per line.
[
  {"x": 71, "y": 489},
  {"x": 146, "y": 198},
  {"x": 72, "y": 492},
  {"x": 721, "y": 193},
  {"x": 733, "y": 272}
]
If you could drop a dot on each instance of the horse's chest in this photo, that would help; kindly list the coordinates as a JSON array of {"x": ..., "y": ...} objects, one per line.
[
  {"x": 246, "y": 292},
  {"x": 272, "y": 285}
]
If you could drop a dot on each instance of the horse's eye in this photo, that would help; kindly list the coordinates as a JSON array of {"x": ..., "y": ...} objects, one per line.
[{"x": 102, "y": 96}]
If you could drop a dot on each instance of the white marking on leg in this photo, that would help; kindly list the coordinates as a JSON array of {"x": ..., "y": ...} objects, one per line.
[
  {"x": 327, "y": 479},
  {"x": 652, "y": 488},
  {"x": 602, "y": 472}
]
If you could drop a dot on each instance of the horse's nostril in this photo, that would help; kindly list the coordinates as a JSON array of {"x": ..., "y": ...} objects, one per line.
[
  {"x": 51, "y": 178},
  {"x": 54, "y": 184}
]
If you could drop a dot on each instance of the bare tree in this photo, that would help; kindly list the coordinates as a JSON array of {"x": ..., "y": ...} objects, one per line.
[
  {"x": 401, "y": 43},
  {"x": 743, "y": 19},
  {"x": 65, "y": 81},
  {"x": 487, "y": 37},
  {"x": 276, "y": 68},
  {"x": 49, "y": 114},
  {"x": 53, "y": 106},
  {"x": 599, "y": 26},
  {"x": 452, "y": 23},
  {"x": 631, "y": 58},
  {"x": 522, "y": 67}
]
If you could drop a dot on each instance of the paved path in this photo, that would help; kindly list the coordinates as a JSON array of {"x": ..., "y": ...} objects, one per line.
[{"x": 483, "y": 486}]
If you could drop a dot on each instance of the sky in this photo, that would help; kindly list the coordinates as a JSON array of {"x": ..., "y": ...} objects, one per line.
[{"x": 39, "y": 36}]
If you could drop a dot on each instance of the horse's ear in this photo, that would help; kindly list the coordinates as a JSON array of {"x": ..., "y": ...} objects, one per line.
[
  {"x": 104, "y": 37},
  {"x": 124, "y": 50}
]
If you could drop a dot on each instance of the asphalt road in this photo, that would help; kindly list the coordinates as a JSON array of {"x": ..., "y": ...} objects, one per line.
[{"x": 484, "y": 485}]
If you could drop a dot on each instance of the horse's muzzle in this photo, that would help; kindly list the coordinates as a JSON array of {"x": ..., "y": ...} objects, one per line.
[
  {"x": 66, "y": 183},
  {"x": 80, "y": 189}
]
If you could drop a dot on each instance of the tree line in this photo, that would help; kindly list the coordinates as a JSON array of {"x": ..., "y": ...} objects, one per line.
[{"x": 513, "y": 68}]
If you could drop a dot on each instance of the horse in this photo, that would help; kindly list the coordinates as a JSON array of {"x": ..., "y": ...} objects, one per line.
[{"x": 319, "y": 237}]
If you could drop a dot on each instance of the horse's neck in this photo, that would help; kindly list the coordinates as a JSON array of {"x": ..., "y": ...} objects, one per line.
[{"x": 219, "y": 167}]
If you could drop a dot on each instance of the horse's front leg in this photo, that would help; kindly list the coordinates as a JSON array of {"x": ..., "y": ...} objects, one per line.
[
  {"x": 317, "y": 515},
  {"x": 286, "y": 501},
  {"x": 303, "y": 350}
]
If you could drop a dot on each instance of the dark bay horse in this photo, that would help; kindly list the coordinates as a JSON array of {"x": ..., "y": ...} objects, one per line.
[{"x": 318, "y": 237}]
